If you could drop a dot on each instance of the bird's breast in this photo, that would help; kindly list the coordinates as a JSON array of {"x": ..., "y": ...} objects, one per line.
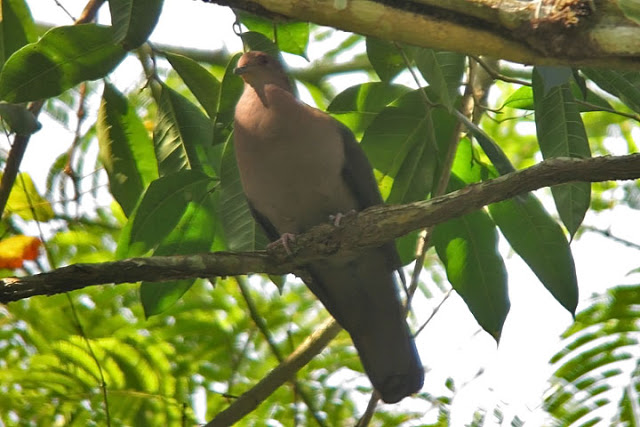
[{"x": 291, "y": 169}]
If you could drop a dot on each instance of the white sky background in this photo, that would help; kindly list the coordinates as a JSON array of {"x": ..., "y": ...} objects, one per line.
[{"x": 515, "y": 374}]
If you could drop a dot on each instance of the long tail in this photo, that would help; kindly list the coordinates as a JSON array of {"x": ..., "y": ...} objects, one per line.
[{"x": 362, "y": 296}]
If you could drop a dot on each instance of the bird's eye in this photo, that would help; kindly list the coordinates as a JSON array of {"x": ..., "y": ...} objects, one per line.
[{"x": 263, "y": 60}]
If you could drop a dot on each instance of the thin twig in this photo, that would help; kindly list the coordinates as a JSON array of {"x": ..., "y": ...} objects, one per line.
[
  {"x": 89, "y": 12},
  {"x": 596, "y": 107},
  {"x": 371, "y": 409},
  {"x": 433, "y": 313},
  {"x": 68, "y": 169},
  {"x": 14, "y": 159},
  {"x": 607, "y": 233},
  {"x": 496, "y": 75}
]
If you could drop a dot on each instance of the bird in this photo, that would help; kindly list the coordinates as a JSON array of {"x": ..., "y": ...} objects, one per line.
[{"x": 298, "y": 168}]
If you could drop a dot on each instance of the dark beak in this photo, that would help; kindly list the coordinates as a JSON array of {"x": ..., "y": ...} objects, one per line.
[{"x": 240, "y": 70}]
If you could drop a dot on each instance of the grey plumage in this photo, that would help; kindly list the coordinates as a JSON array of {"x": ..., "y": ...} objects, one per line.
[{"x": 298, "y": 166}]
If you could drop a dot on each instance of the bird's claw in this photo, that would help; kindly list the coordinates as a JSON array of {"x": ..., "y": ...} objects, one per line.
[
  {"x": 284, "y": 240},
  {"x": 337, "y": 218}
]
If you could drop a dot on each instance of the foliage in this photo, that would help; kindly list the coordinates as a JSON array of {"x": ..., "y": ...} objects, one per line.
[
  {"x": 165, "y": 149},
  {"x": 597, "y": 379}
]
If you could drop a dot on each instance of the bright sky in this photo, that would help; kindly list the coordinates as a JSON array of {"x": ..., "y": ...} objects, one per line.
[{"x": 515, "y": 374}]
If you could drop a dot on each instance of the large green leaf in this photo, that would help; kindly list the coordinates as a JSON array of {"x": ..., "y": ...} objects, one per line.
[
  {"x": 523, "y": 99},
  {"x": 194, "y": 233},
  {"x": 201, "y": 82},
  {"x": 160, "y": 210},
  {"x": 541, "y": 243},
  {"x": 134, "y": 20},
  {"x": 561, "y": 134},
  {"x": 631, "y": 9},
  {"x": 358, "y": 105},
  {"x": 391, "y": 142},
  {"x": 468, "y": 249},
  {"x": 126, "y": 150},
  {"x": 183, "y": 135},
  {"x": 385, "y": 58},
  {"x": 62, "y": 58},
  {"x": 241, "y": 231},
  {"x": 260, "y": 42},
  {"x": 292, "y": 36},
  {"x": 16, "y": 27},
  {"x": 625, "y": 84},
  {"x": 230, "y": 92},
  {"x": 443, "y": 71},
  {"x": 597, "y": 373}
]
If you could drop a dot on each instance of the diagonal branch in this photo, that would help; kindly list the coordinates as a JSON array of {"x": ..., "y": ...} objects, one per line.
[
  {"x": 371, "y": 227},
  {"x": 283, "y": 372}
]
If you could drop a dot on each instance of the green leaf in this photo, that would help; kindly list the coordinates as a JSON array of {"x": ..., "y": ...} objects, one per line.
[
  {"x": 465, "y": 166},
  {"x": 553, "y": 77},
  {"x": 241, "y": 231},
  {"x": 183, "y": 135},
  {"x": 293, "y": 37},
  {"x": 625, "y": 84},
  {"x": 200, "y": 82},
  {"x": 258, "y": 41},
  {"x": 561, "y": 134},
  {"x": 230, "y": 92},
  {"x": 491, "y": 149},
  {"x": 598, "y": 366},
  {"x": 541, "y": 243},
  {"x": 392, "y": 136},
  {"x": 468, "y": 249},
  {"x": 385, "y": 58},
  {"x": 400, "y": 144},
  {"x": 523, "y": 99},
  {"x": 358, "y": 105},
  {"x": 126, "y": 150},
  {"x": 256, "y": 23},
  {"x": 62, "y": 58},
  {"x": 161, "y": 209},
  {"x": 16, "y": 27},
  {"x": 194, "y": 233},
  {"x": 26, "y": 202},
  {"x": 631, "y": 9},
  {"x": 443, "y": 71},
  {"x": 133, "y": 21},
  {"x": 19, "y": 119}
]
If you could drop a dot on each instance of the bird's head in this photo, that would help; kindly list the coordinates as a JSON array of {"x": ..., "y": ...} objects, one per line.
[{"x": 259, "y": 69}]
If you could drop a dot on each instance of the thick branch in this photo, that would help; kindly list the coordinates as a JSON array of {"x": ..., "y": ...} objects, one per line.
[
  {"x": 547, "y": 32},
  {"x": 371, "y": 227}
]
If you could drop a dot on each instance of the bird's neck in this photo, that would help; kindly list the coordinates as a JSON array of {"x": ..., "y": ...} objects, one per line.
[{"x": 266, "y": 91}]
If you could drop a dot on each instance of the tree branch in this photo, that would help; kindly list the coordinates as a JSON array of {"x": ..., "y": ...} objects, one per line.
[
  {"x": 570, "y": 32},
  {"x": 283, "y": 372},
  {"x": 371, "y": 227}
]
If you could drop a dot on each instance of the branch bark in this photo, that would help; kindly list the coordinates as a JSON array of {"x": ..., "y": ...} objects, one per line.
[
  {"x": 546, "y": 32},
  {"x": 371, "y": 227}
]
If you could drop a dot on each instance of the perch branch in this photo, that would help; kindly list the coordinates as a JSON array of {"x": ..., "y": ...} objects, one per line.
[{"x": 371, "y": 227}]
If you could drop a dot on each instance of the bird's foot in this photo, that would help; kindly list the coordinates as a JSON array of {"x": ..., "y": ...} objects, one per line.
[
  {"x": 284, "y": 240},
  {"x": 337, "y": 218}
]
